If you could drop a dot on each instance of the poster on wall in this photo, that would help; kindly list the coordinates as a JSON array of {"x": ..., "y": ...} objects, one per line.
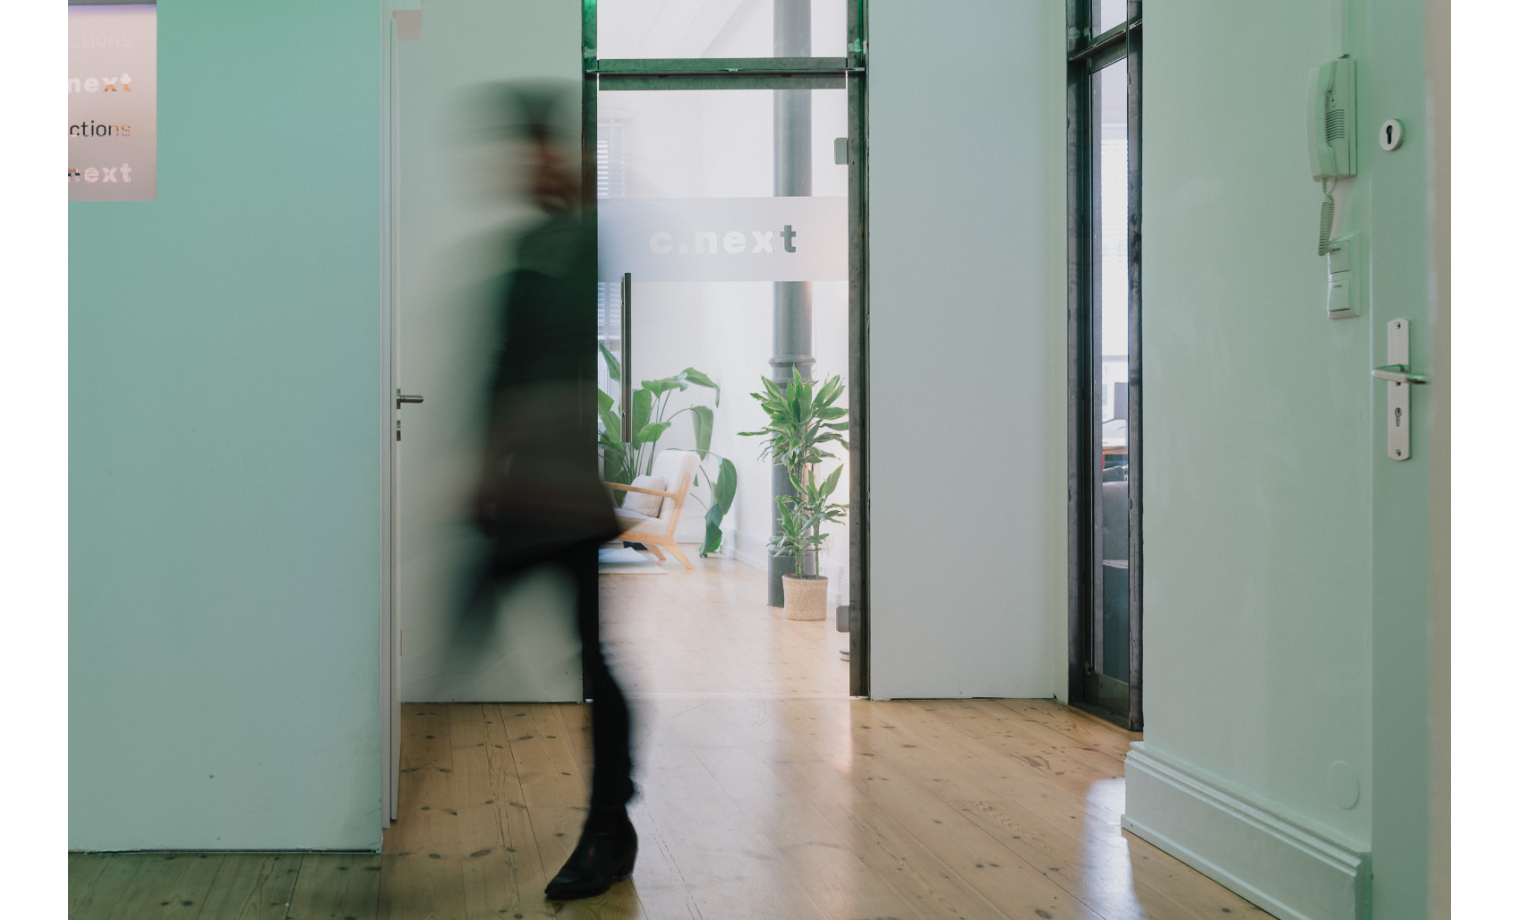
[{"x": 113, "y": 100}]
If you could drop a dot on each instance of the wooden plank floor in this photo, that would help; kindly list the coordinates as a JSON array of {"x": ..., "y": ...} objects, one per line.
[{"x": 766, "y": 793}]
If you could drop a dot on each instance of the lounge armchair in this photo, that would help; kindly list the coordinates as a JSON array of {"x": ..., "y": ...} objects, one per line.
[{"x": 656, "y": 531}]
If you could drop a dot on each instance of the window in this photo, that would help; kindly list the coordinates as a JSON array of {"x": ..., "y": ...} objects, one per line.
[
  {"x": 1103, "y": 211},
  {"x": 611, "y": 182},
  {"x": 677, "y": 29}
]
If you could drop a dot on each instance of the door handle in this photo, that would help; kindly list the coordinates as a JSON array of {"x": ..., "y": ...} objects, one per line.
[
  {"x": 627, "y": 349},
  {"x": 1398, "y": 373},
  {"x": 403, "y": 399}
]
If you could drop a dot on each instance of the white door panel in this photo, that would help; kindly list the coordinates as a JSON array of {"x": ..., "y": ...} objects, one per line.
[{"x": 452, "y": 248}]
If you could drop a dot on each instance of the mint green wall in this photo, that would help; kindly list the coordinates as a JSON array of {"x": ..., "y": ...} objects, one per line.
[
  {"x": 1285, "y": 589},
  {"x": 1258, "y": 488},
  {"x": 224, "y": 570}
]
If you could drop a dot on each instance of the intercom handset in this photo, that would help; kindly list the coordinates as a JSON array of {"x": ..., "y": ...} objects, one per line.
[
  {"x": 1332, "y": 134},
  {"x": 1332, "y": 120}
]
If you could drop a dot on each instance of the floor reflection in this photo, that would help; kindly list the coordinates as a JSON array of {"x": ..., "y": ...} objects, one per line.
[{"x": 1109, "y": 882}]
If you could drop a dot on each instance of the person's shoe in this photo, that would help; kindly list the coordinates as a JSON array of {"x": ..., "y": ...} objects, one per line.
[{"x": 605, "y": 854}]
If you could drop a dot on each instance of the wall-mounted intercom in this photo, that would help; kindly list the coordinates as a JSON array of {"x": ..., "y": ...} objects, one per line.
[
  {"x": 1332, "y": 156},
  {"x": 1332, "y": 134},
  {"x": 1332, "y": 120}
]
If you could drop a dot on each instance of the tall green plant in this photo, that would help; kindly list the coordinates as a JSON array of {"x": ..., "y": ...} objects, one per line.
[
  {"x": 803, "y": 422},
  {"x": 802, "y": 518},
  {"x": 621, "y": 462}
]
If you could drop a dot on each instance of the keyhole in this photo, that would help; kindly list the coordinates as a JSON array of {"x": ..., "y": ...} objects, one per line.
[
  {"x": 1389, "y": 129},
  {"x": 1398, "y": 417}
]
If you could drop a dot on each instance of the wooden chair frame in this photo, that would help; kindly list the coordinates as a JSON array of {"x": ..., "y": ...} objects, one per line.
[{"x": 656, "y": 540}]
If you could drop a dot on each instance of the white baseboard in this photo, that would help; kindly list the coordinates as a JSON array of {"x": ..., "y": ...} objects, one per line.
[
  {"x": 692, "y": 528},
  {"x": 759, "y": 560},
  {"x": 751, "y": 549},
  {"x": 1280, "y": 866}
]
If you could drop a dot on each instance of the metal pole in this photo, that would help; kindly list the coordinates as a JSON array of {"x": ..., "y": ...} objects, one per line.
[{"x": 793, "y": 316}]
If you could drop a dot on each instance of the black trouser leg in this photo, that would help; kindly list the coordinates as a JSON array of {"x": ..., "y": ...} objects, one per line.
[
  {"x": 612, "y": 762},
  {"x": 609, "y": 845}
]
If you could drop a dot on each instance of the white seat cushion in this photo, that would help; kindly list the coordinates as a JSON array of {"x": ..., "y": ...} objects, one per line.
[
  {"x": 643, "y": 503},
  {"x": 642, "y": 523}
]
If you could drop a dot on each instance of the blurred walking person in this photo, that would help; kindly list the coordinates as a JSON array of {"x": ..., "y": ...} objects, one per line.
[{"x": 539, "y": 497}]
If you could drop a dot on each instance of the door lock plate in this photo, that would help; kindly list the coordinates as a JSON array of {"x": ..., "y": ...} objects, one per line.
[{"x": 1398, "y": 391}]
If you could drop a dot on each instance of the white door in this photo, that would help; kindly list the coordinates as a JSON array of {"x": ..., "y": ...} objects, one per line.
[{"x": 451, "y": 250}]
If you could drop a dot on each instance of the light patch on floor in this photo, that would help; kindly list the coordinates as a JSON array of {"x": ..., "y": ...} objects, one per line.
[
  {"x": 708, "y": 633},
  {"x": 626, "y": 560}
]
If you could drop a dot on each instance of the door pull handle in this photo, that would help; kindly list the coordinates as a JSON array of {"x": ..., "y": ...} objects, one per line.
[{"x": 627, "y": 349}]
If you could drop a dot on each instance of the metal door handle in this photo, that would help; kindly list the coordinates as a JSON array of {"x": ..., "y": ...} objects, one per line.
[
  {"x": 406, "y": 399},
  {"x": 1398, "y": 373},
  {"x": 627, "y": 396}
]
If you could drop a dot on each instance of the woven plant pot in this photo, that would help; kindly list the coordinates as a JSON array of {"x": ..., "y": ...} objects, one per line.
[{"x": 806, "y": 598}]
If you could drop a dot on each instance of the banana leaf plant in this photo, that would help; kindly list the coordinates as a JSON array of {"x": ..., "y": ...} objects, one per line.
[
  {"x": 803, "y": 422},
  {"x": 651, "y": 419}
]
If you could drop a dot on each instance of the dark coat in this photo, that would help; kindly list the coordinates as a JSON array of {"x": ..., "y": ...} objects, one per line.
[{"x": 542, "y": 404}]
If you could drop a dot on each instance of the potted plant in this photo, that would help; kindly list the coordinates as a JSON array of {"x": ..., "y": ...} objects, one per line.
[{"x": 803, "y": 421}]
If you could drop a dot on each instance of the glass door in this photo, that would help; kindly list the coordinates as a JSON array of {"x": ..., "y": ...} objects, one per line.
[
  {"x": 1105, "y": 545},
  {"x": 731, "y": 254},
  {"x": 723, "y": 244},
  {"x": 1110, "y": 340}
]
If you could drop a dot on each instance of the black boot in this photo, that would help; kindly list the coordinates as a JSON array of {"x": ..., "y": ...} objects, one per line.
[{"x": 605, "y": 854}]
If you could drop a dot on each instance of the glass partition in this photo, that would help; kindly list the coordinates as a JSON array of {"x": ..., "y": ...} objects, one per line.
[
  {"x": 665, "y": 29},
  {"x": 1111, "y": 505},
  {"x": 727, "y": 213},
  {"x": 1108, "y": 13}
]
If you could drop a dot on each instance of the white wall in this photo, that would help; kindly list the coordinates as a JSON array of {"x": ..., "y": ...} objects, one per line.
[{"x": 968, "y": 356}]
